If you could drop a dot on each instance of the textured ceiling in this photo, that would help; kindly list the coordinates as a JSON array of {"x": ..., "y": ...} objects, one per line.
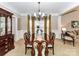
[{"x": 45, "y": 7}]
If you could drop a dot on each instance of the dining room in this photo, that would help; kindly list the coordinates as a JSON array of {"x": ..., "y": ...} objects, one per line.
[{"x": 37, "y": 28}]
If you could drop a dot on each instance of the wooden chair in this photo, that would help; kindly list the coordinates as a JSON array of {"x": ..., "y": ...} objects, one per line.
[
  {"x": 32, "y": 42},
  {"x": 69, "y": 37},
  {"x": 51, "y": 41},
  {"x": 28, "y": 43}
]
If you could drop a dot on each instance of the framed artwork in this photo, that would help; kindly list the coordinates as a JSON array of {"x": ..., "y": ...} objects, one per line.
[{"x": 75, "y": 24}]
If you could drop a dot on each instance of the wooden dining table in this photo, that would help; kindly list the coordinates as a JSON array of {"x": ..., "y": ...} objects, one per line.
[{"x": 40, "y": 46}]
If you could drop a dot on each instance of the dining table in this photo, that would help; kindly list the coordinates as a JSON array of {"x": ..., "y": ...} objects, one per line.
[{"x": 39, "y": 46}]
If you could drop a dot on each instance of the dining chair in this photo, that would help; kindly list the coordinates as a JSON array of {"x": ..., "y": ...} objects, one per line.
[
  {"x": 69, "y": 36},
  {"x": 28, "y": 43},
  {"x": 51, "y": 41}
]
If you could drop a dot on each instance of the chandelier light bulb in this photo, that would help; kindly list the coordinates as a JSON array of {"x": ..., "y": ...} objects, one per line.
[
  {"x": 34, "y": 14},
  {"x": 39, "y": 13}
]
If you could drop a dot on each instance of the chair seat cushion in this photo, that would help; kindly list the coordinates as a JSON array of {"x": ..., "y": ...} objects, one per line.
[
  {"x": 28, "y": 45},
  {"x": 68, "y": 38},
  {"x": 49, "y": 45}
]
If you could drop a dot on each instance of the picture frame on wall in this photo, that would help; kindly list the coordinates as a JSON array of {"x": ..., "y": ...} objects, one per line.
[{"x": 75, "y": 24}]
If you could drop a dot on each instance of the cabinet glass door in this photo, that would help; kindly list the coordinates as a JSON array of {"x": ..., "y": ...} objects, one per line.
[
  {"x": 9, "y": 26},
  {"x": 2, "y": 26}
]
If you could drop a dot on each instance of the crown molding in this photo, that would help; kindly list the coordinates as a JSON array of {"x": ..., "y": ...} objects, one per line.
[
  {"x": 54, "y": 14},
  {"x": 25, "y": 14},
  {"x": 69, "y": 8},
  {"x": 9, "y": 8}
]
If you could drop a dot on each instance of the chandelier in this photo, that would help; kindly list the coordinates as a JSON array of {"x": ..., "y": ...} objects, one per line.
[{"x": 39, "y": 15}]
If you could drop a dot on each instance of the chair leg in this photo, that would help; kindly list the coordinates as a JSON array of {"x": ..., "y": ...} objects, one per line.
[
  {"x": 33, "y": 52},
  {"x": 64, "y": 41},
  {"x": 53, "y": 49},
  {"x": 25, "y": 49},
  {"x": 73, "y": 43}
]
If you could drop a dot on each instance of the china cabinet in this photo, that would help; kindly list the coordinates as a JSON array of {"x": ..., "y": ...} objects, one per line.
[{"x": 6, "y": 36}]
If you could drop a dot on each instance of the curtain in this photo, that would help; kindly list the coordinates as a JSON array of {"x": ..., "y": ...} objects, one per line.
[
  {"x": 45, "y": 27},
  {"x": 28, "y": 24},
  {"x": 49, "y": 24},
  {"x": 19, "y": 23},
  {"x": 33, "y": 27}
]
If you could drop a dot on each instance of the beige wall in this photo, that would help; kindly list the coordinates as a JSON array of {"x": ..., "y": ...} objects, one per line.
[
  {"x": 22, "y": 23},
  {"x": 21, "y": 26},
  {"x": 66, "y": 19}
]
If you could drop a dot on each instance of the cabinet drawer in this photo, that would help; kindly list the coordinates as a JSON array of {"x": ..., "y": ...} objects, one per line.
[
  {"x": 2, "y": 52},
  {"x": 1, "y": 40},
  {"x": 2, "y": 43},
  {"x": 2, "y": 48},
  {"x": 6, "y": 39},
  {"x": 6, "y": 43},
  {"x": 6, "y": 46},
  {"x": 6, "y": 50}
]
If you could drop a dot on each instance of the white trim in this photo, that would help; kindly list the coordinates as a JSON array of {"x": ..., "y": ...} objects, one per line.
[
  {"x": 59, "y": 26},
  {"x": 70, "y": 7},
  {"x": 9, "y": 8},
  {"x": 25, "y": 14},
  {"x": 12, "y": 9},
  {"x": 54, "y": 14},
  {"x": 58, "y": 31},
  {"x": 22, "y": 14}
]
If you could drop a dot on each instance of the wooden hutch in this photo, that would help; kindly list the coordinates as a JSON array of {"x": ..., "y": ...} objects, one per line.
[{"x": 6, "y": 36}]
